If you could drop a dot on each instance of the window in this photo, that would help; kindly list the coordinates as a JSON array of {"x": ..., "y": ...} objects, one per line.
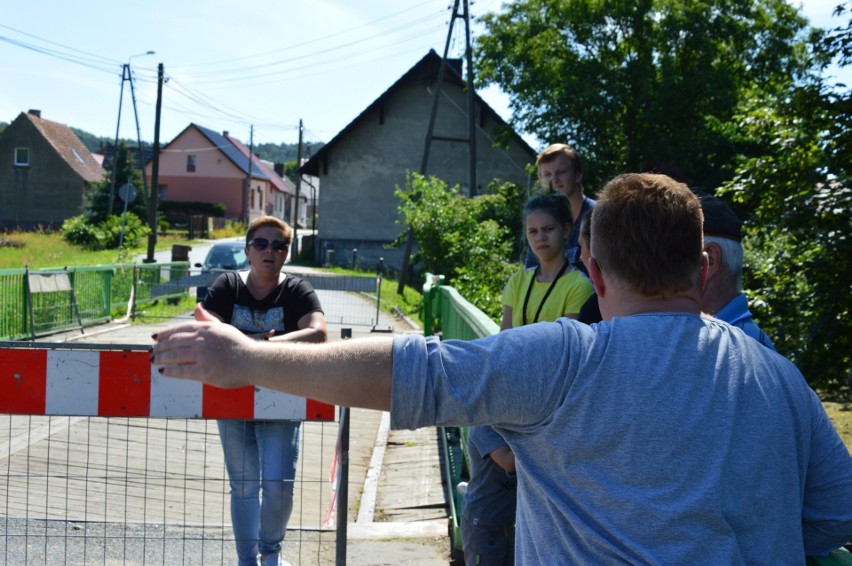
[
  {"x": 190, "y": 164},
  {"x": 22, "y": 156}
]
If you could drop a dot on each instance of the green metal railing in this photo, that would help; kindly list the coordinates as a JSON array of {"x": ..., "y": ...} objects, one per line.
[
  {"x": 447, "y": 314},
  {"x": 36, "y": 302}
]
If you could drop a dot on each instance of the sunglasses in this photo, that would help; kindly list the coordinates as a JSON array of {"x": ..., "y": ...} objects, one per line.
[{"x": 261, "y": 244}]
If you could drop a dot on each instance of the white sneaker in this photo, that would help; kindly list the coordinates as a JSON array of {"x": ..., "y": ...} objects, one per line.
[{"x": 462, "y": 487}]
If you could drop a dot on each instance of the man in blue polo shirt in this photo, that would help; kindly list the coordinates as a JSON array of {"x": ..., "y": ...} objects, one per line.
[{"x": 723, "y": 295}]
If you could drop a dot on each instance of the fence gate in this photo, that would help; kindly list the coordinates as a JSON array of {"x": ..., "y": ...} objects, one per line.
[
  {"x": 105, "y": 461},
  {"x": 49, "y": 284}
]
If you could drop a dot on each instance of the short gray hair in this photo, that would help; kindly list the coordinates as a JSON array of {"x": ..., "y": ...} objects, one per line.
[{"x": 732, "y": 257}]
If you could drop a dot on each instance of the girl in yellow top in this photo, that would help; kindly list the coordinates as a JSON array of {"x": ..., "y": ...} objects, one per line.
[{"x": 554, "y": 288}]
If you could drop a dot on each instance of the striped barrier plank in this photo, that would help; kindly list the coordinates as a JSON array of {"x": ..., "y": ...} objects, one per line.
[{"x": 114, "y": 382}]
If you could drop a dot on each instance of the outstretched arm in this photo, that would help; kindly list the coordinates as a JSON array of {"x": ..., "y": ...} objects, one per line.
[{"x": 353, "y": 373}]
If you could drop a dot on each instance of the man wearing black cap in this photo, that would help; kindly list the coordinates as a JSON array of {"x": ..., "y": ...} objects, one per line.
[{"x": 722, "y": 295}]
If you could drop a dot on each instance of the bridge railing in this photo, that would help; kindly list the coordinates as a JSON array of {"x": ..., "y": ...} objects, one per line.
[{"x": 447, "y": 314}]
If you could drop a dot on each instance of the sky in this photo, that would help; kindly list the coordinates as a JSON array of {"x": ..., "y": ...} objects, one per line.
[{"x": 253, "y": 68}]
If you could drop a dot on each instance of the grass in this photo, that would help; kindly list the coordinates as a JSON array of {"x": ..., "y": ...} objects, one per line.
[{"x": 47, "y": 249}]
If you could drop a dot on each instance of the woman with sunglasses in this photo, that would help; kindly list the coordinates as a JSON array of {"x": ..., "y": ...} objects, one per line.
[{"x": 261, "y": 456}]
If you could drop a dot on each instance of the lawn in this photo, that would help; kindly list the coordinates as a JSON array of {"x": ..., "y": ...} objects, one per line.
[{"x": 44, "y": 249}]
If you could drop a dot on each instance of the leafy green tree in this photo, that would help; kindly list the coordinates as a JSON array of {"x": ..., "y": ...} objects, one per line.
[
  {"x": 636, "y": 83},
  {"x": 469, "y": 241},
  {"x": 99, "y": 228},
  {"x": 290, "y": 170},
  {"x": 796, "y": 195},
  {"x": 99, "y": 197}
]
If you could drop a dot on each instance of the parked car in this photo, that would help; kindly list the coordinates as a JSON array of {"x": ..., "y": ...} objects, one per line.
[{"x": 222, "y": 257}]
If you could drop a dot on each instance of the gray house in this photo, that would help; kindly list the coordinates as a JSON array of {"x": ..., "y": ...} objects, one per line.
[
  {"x": 45, "y": 173},
  {"x": 363, "y": 164}
]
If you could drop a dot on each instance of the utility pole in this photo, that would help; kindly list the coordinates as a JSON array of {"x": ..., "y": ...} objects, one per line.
[
  {"x": 125, "y": 70},
  {"x": 247, "y": 194},
  {"x": 409, "y": 237},
  {"x": 298, "y": 190},
  {"x": 471, "y": 106},
  {"x": 125, "y": 76},
  {"x": 155, "y": 170},
  {"x": 141, "y": 148}
]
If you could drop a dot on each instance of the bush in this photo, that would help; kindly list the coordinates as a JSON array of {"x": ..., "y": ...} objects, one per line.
[
  {"x": 469, "y": 241},
  {"x": 78, "y": 231},
  {"x": 104, "y": 235}
]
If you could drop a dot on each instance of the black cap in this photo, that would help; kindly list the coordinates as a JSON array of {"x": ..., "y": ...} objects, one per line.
[{"x": 719, "y": 219}]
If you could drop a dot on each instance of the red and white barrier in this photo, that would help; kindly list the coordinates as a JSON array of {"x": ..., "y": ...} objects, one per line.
[{"x": 112, "y": 383}]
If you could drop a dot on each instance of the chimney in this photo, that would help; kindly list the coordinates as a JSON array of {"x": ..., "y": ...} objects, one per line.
[
  {"x": 225, "y": 133},
  {"x": 36, "y": 113},
  {"x": 279, "y": 169}
]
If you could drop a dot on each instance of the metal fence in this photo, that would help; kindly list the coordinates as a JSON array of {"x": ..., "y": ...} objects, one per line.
[
  {"x": 79, "y": 487},
  {"x": 37, "y": 302},
  {"x": 82, "y": 483}
]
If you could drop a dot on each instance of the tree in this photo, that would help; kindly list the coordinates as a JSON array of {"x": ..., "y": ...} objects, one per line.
[
  {"x": 98, "y": 228},
  {"x": 633, "y": 83},
  {"x": 469, "y": 241},
  {"x": 796, "y": 195},
  {"x": 126, "y": 173}
]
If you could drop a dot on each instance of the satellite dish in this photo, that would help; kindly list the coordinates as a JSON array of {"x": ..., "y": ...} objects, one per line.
[{"x": 127, "y": 192}]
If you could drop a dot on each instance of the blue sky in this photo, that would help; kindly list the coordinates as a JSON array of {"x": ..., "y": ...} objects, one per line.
[{"x": 230, "y": 65}]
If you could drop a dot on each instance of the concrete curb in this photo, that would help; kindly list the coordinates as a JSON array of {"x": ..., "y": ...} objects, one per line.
[{"x": 371, "y": 483}]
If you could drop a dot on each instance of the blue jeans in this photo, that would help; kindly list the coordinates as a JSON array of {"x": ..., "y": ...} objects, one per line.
[{"x": 260, "y": 456}]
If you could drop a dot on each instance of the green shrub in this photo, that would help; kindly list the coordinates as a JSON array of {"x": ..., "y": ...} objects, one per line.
[
  {"x": 78, "y": 231},
  {"x": 469, "y": 241},
  {"x": 105, "y": 235}
]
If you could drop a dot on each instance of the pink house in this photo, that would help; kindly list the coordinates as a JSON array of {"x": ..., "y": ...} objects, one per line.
[{"x": 206, "y": 166}]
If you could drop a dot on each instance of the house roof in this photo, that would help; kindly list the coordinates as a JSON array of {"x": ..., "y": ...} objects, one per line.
[
  {"x": 238, "y": 154},
  {"x": 140, "y": 156},
  {"x": 259, "y": 166},
  {"x": 68, "y": 146},
  {"x": 427, "y": 66}
]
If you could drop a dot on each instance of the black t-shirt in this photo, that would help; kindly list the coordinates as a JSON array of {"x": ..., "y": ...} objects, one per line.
[
  {"x": 280, "y": 310},
  {"x": 590, "y": 312}
]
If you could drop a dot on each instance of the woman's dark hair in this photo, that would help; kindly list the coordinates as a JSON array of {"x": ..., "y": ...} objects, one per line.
[
  {"x": 555, "y": 204},
  {"x": 586, "y": 226}
]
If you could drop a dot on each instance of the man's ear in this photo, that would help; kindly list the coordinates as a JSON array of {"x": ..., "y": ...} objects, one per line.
[
  {"x": 713, "y": 253},
  {"x": 597, "y": 277},
  {"x": 705, "y": 269}
]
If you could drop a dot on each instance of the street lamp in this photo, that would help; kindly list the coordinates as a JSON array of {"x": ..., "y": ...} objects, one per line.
[{"x": 125, "y": 75}]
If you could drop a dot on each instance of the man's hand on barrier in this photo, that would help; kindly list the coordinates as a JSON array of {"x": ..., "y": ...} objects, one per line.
[
  {"x": 207, "y": 350},
  {"x": 355, "y": 373}
]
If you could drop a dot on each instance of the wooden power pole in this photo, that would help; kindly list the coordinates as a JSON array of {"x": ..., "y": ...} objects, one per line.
[{"x": 430, "y": 131}]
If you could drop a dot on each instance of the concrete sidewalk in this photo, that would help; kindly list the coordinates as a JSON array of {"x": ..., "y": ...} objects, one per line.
[{"x": 396, "y": 509}]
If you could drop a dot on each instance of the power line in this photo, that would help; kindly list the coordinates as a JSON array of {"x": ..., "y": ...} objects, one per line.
[{"x": 323, "y": 39}]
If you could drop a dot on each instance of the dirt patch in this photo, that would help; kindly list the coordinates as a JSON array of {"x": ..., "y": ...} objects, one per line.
[{"x": 7, "y": 243}]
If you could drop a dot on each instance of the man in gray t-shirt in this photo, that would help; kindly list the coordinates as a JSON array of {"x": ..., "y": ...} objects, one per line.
[{"x": 656, "y": 436}]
